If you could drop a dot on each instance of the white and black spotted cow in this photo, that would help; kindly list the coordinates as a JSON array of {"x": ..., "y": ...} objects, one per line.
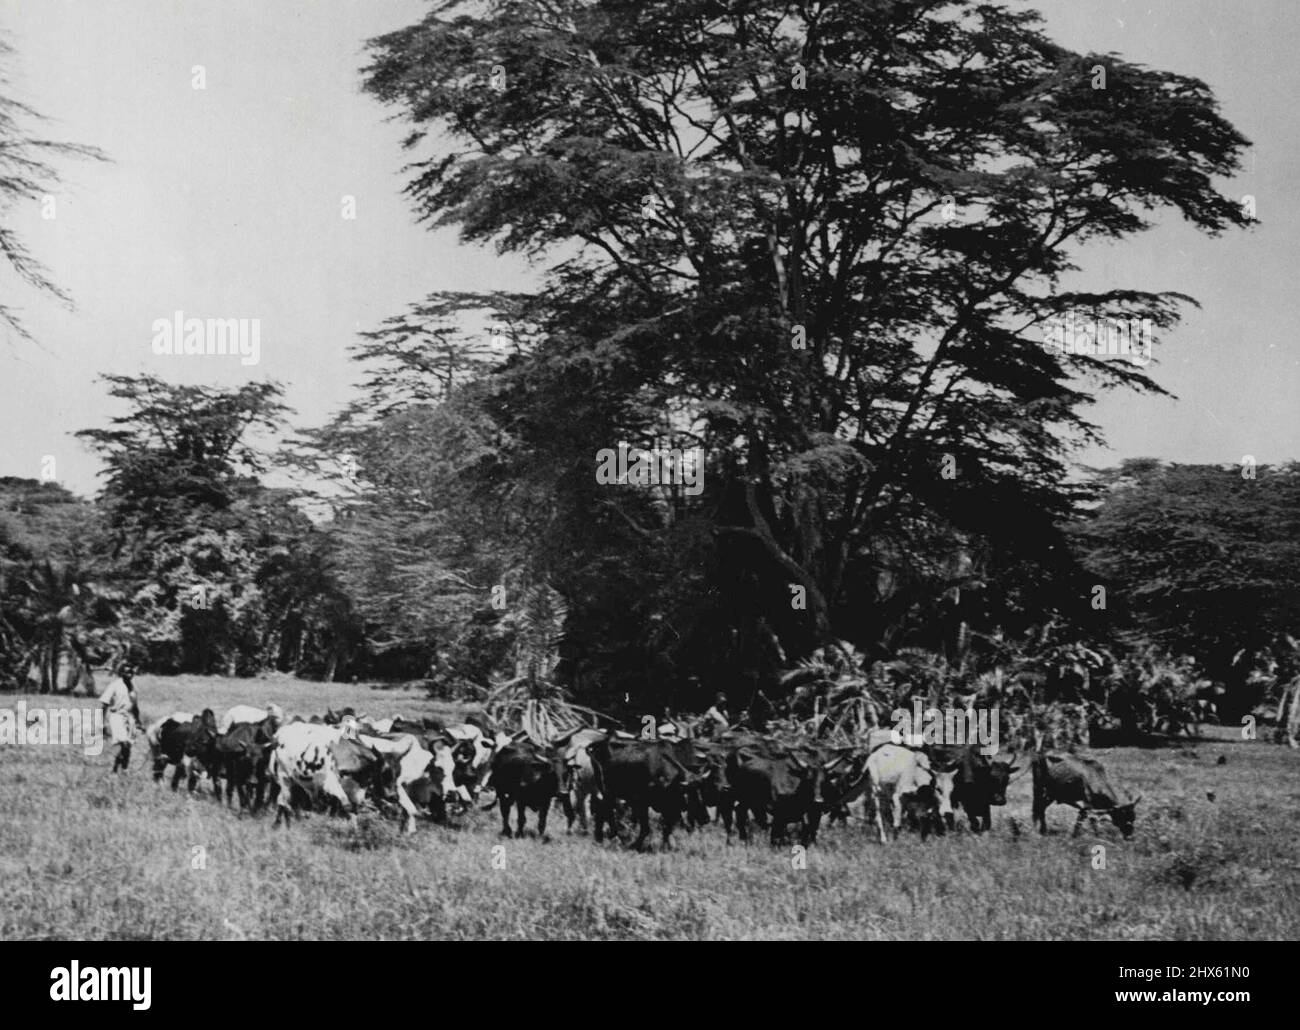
[
  {"x": 481, "y": 746},
  {"x": 424, "y": 777},
  {"x": 306, "y": 757}
]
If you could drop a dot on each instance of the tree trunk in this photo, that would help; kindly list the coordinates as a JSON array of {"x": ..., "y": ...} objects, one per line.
[
  {"x": 50, "y": 667},
  {"x": 73, "y": 676},
  {"x": 85, "y": 670},
  {"x": 818, "y": 606}
]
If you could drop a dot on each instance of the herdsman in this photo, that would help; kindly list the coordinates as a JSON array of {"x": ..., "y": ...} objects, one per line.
[
  {"x": 123, "y": 714},
  {"x": 716, "y": 721}
]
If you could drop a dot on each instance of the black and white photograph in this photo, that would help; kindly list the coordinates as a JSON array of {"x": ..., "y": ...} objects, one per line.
[{"x": 652, "y": 470}]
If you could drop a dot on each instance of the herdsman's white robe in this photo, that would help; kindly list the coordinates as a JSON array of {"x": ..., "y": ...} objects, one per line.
[{"x": 120, "y": 701}]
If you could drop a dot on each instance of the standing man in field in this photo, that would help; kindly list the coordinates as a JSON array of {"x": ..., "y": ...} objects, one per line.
[
  {"x": 716, "y": 720},
  {"x": 123, "y": 708}
]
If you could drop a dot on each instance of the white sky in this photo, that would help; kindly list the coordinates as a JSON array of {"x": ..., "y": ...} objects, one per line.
[{"x": 225, "y": 202}]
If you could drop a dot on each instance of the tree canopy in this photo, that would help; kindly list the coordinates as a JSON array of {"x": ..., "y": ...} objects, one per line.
[
  {"x": 26, "y": 174},
  {"x": 819, "y": 240},
  {"x": 1202, "y": 560}
]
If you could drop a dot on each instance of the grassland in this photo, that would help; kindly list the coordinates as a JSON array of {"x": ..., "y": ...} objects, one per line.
[{"x": 87, "y": 856}]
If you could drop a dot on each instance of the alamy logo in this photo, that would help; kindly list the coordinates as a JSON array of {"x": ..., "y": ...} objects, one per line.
[
  {"x": 1100, "y": 337},
  {"x": 102, "y": 983},
  {"x": 77, "y": 727},
  {"x": 920, "y": 726},
  {"x": 656, "y": 466},
  {"x": 236, "y": 336}
]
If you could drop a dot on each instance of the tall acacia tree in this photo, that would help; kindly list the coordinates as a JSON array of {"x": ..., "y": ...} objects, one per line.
[
  {"x": 25, "y": 175},
  {"x": 189, "y": 526},
  {"x": 819, "y": 237}
]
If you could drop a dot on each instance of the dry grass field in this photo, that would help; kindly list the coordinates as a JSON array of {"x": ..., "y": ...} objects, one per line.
[{"x": 87, "y": 856}]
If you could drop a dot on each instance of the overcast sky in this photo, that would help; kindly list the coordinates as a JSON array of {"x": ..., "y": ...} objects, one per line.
[{"x": 225, "y": 202}]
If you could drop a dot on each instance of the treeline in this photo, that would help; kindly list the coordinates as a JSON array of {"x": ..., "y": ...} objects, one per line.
[{"x": 424, "y": 555}]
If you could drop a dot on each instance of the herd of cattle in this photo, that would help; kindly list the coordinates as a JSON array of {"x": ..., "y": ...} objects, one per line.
[{"x": 339, "y": 762}]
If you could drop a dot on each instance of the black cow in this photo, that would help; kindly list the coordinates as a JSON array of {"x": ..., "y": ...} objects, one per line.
[
  {"x": 1080, "y": 782},
  {"x": 167, "y": 747},
  {"x": 184, "y": 745},
  {"x": 526, "y": 776},
  {"x": 709, "y": 786},
  {"x": 978, "y": 781},
  {"x": 243, "y": 755},
  {"x": 202, "y": 749},
  {"x": 845, "y": 777},
  {"x": 645, "y": 774},
  {"x": 780, "y": 784}
]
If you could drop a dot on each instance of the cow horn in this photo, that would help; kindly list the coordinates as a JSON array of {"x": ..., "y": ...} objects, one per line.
[{"x": 798, "y": 761}]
